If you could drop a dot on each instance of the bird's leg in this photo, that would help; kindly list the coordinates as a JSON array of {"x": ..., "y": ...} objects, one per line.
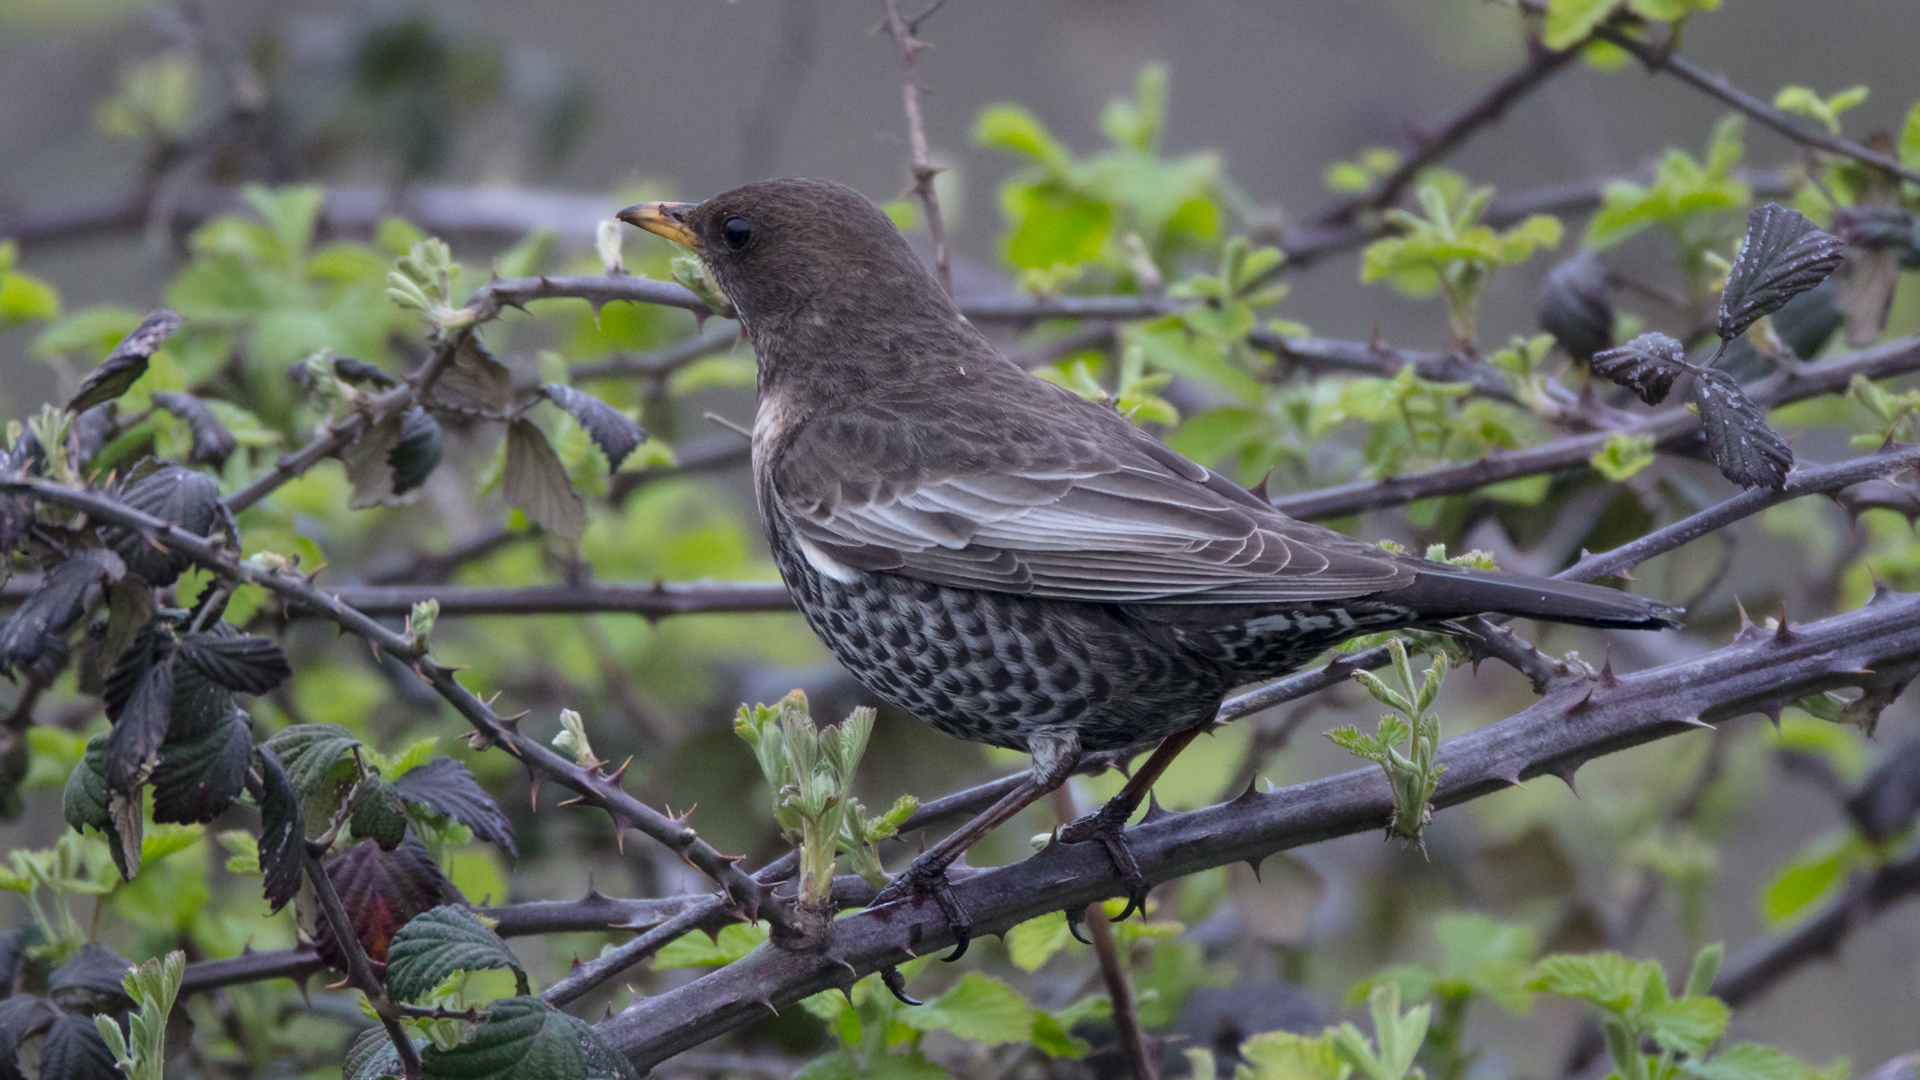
[
  {"x": 1053, "y": 760},
  {"x": 1108, "y": 824}
]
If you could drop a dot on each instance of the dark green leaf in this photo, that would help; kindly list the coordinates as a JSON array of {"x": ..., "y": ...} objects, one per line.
[
  {"x": 380, "y": 815},
  {"x": 85, "y": 800},
  {"x": 372, "y": 1056},
  {"x": 382, "y": 891},
  {"x": 74, "y": 1050},
  {"x": 1747, "y": 450},
  {"x": 615, "y": 434},
  {"x": 440, "y": 941},
  {"x": 359, "y": 373},
  {"x": 444, "y": 786},
  {"x": 1647, "y": 365},
  {"x": 140, "y": 728},
  {"x": 241, "y": 662},
  {"x": 308, "y": 752},
  {"x": 127, "y": 362},
  {"x": 524, "y": 1038},
  {"x": 1881, "y": 228},
  {"x": 93, "y": 430},
  {"x": 1575, "y": 306},
  {"x": 175, "y": 494},
  {"x": 212, "y": 442},
  {"x": 417, "y": 454},
  {"x": 1784, "y": 256},
  {"x": 93, "y": 981},
  {"x": 37, "y": 631},
  {"x": 14, "y": 944},
  {"x": 198, "y": 778},
  {"x": 1809, "y": 320},
  {"x": 283, "y": 833},
  {"x": 150, "y": 643},
  {"x": 536, "y": 482}
]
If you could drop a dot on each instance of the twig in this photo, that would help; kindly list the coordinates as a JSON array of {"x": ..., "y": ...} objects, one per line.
[
  {"x": 1793, "y": 127},
  {"x": 359, "y": 968},
  {"x": 1134, "y": 1046},
  {"x": 663, "y": 362},
  {"x": 1764, "y": 963},
  {"x": 334, "y": 439},
  {"x": 924, "y": 170},
  {"x": 1742, "y": 677}
]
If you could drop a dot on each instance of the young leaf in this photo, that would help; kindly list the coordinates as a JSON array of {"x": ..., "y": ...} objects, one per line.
[
  {"x": 127, "y": 362},
  {"x": 282, "y": 851},
  {"x": 1607, "y": 979},
  {"x": 978, "y": 1007},
  {"x": 417, "y": 453},
  {"x": 1784, "y": 256},
  {"x": 198, "y": 778},
  {"x": 35, "y": 634},
  {"x": 241, "y": 662},
  {"x": 382, "y": 891},
  {"x": 445, "y": 787},
  {"x": 524, "y": 1038},
  {"x": 536, "y": 482},
  {"x": 1748, "y": 1061},
  {"x": 1686, "y": 1025},
  {"x": 612, "y": 431},
  {"x": 1647, "y": 365},
  {"x": 1748, "y": 451},
  {"x": 438, "y": 942},
  {"x": 212, "y": 442},
  {"x": 173, "y": 494},
  {"x": 1575, "y": 306},
  {"x": 308, "y": 751}
]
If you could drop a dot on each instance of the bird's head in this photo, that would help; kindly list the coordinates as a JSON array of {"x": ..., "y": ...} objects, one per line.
[{"x": 788, "y": 251}]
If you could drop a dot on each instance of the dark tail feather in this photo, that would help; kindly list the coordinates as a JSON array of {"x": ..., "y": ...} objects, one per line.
[{"x": 1449, "y": 595}]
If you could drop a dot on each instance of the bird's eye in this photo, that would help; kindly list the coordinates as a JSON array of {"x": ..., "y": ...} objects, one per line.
[{"x": 737, "y": 232}]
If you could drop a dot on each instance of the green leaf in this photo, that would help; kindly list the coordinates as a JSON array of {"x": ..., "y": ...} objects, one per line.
[
  {"x": 524, "y": 1038},
  {"x": 1283, "y": 1055},
  {"x": 1624, "y": 455},
  {"x": 372, "y": 1056},
  {"x": 1032, "y": 943},
  {"x": 164, "y": 840},
  {"x": 1607, "y": 979},
  {"x": 1910, "y": 138},
  {"x": 1487, "y": 957},
  {"x": 1570, "y": 20},
  {"x": 24, "y": 298},
  {"x": 695, "y": 950},
  {"x": 1016, "y": 131},
  {"x": 1748, "y": 1061},
  {"x": 309, "y": 752},
  {"x": 1814, "y": 873},
  {"x": 1687, "y": 1025},
  {"x": 977, "y": 1007},
  {"x": 440, "y": 941}
]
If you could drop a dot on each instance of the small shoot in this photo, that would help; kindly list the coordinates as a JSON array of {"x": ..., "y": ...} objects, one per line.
[
  {"x": 420, "y": 622},
  {"x": 1413, "y": 774},
  {"x": 141, "y": 1051},
  {"x": 573, "y": 740},
  {"x": 423, "y": 281},
  {"x": 1449, "y": 250}
]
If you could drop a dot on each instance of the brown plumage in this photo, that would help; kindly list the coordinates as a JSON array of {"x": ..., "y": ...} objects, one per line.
[{"x": 1009, "y": 561}]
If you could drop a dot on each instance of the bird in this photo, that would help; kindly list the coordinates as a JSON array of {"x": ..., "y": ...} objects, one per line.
[{"x": 1009, "y": 561}]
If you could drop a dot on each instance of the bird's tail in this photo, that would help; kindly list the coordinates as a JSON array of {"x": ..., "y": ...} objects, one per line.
[{"x": 1443, "y": 594}]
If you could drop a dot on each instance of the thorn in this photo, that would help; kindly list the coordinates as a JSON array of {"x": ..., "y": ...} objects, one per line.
[
  {"x": 1693, "y": 721},
  {"x": 614, "y": 776},
  {"x": 1255, "y": 864},
  {"x": 1585, "y": 700},
  {"x": 576, "y": 965},
  {"x": 1507, "y": 773},
  {"x": 1565, "y": 772},
  {"x": 609, "y": 1014},
  {"x": 1746, "y": 623},
  {"x": 511, "y": 723},
  {"x": 1155, "y": 812},
  {"x": 1253, "y": 790},
  {"x": 1881, "y": 592},
  {"x": 767, "y": 1000},
  {"x": 575, "y": 801},
  {"x": 1607, "y": 678},
  {"x": 1782, "y": 634}
]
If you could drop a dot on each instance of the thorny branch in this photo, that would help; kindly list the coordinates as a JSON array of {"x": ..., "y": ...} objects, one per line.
[
  {"x": 924, "y": 170},
  {"x": 359, "y": 968}
]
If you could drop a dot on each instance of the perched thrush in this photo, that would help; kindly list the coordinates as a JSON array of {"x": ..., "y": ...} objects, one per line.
[{"x": 1006, "y": 560}]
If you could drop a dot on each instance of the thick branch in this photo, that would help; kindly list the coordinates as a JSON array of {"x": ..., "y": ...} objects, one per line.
[
  {"x": 652, "y": 601},
  {"x": 1554, "y": 737}
]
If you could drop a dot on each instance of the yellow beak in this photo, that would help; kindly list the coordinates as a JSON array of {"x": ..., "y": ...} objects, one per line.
[{"x": 666, "y": 219}]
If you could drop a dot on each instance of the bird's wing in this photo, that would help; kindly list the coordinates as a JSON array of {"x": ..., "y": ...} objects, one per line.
[{"x": 1079, "y": 506}]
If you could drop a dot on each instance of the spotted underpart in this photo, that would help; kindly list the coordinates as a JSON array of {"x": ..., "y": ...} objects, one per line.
[{"x": 1000, "y": 668}]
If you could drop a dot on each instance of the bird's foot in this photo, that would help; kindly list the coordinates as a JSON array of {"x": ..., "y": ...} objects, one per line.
[
  {"x": 924, "y": 878},
  {"x": 1108, "y": 825}
]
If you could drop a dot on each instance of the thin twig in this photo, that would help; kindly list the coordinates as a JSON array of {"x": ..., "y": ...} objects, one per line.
[
  {"x": 1134, "y": 1046},
  {"x": 924, "y": 170},
  {"x": 359, "y": 967},
  {"x": 664, "y": 362},
  {"x": 1761, "y": 965}
]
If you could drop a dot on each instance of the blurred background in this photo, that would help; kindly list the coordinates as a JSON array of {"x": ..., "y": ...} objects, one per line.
[{"x": 483, "y": 121}]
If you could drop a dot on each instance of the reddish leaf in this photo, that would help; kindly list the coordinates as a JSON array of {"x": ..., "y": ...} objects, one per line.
[{"x": 382, "y": 891}]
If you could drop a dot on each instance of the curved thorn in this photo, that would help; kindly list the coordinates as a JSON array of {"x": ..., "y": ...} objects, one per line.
[
  {"x": 1076, "y": 920},
  {"x": 896, "y": 984}
]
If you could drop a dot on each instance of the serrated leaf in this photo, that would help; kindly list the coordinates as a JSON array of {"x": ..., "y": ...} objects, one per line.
[
  {"x": 1284, "y": 1055},
  {"x": 84, "y": 800},
  {"x": 212, "y": 442},
  {"x": 369, "y": 463},
  {"x": 1747, "y": 450},
  {"x": 417, "y": 452},
  {"x": 382, "y": 891},
  {"x": 140, "y": 729},
  {"x": 438, "y": 942},
  {"x": 524, "y": 1038},
  {"x": 446, "y": 787},
  {"x": 1575, "y": 306},
  {"x": 379, "y": 815},
  {"x": 281, "y": 851},
  {"x": 240, "y": 662},
  {"x": 1687, "y": 1025},
  {"x": 978, "y": 1007},
  {"x": 127, "y": 362},
  {"x": 1032, "y": 943},
  {"x": 197, "y": 779},
  {"x": 1606, "y": 979},
  {"x": 734, "y": 941},
  {"x": 1784, "y": 255},
  {"x": 1748, "y": 1061},
  {"x": 34, "y": 636},
  {"x": 308, "y": 751},
  {"x": 536, "y": 482},
  {"x": 1647, "y": 365},
  {"x": 372, "y": 1056},
  {"x": 93, "y": 981},
  {"x": 615, "y": 434},
  {"x": 475, "y": 378},
  {"x": 74, "y": 1050},
  {"x": 173, "y": 494}
]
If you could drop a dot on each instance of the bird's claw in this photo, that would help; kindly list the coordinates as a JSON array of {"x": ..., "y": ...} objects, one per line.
[
  {"x": 1076, "y": 921},
  {"x": 896, "y": 984},
  {"x": 1108, "y": 825},
  {"x": 919, "y": 880}
]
